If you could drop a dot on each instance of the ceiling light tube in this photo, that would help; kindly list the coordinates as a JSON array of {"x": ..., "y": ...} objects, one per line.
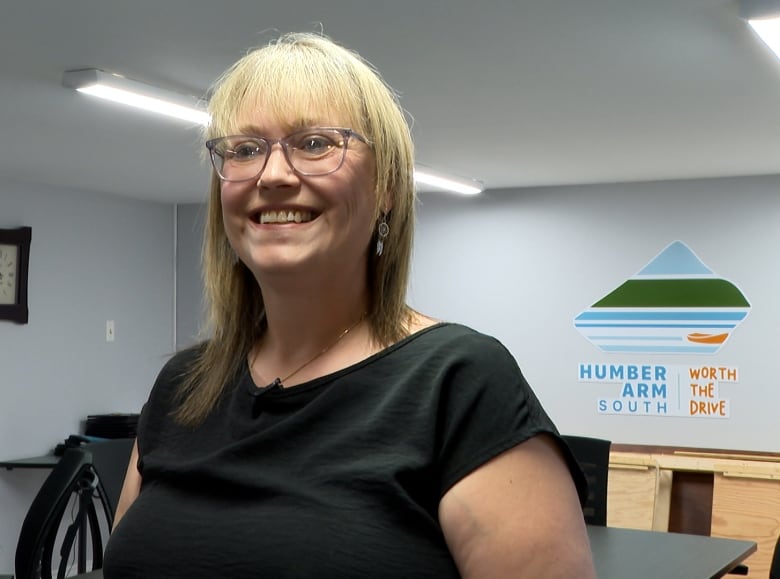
[
  {"x": 123, "y": 90},
  {"x": 130, "y": 92},
  {"x": 768, "y": 29},
  {"x": 764, "y": 17},
  {"x": 447, "y": 182}
]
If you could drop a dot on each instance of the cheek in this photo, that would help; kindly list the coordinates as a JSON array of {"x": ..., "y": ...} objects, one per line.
[
  {"x": 232, "y": 198},
  {"x": 360, "y": 209},
  {"x": 361, "y": 198},
  {"x": 233, "y": 201}
]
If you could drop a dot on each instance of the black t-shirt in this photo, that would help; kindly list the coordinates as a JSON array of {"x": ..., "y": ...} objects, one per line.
[{"x": 339, "y": 477}]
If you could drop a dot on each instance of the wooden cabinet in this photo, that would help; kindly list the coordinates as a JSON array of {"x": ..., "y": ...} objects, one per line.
[
  {"x": 721, "y": 493},
  {"x": 747, "y": 507},
  {"x": 636, "y": 493}
]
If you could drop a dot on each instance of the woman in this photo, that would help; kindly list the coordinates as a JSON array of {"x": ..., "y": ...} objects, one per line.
[{"x": 325, "y": 429}]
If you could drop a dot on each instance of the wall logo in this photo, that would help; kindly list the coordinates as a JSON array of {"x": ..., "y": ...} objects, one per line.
[{"x": 675, "y": 304}]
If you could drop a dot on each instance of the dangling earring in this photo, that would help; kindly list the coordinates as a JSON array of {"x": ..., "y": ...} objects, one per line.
[{"x": 381, "y": 233}]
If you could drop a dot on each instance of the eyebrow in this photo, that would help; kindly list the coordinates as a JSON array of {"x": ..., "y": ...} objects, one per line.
[{"x": 289, "y": 128}]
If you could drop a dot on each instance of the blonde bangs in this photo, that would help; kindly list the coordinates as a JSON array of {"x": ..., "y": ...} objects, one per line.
[
  {"x": 278, "y": 80},
  {"x": 321, "y": 82}
]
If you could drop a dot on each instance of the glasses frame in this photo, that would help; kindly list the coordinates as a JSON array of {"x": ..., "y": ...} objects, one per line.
[{"x": 345, "y": 133}]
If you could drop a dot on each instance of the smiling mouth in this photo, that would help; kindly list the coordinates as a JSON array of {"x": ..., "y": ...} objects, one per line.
[{"x": 283, "y": 217}]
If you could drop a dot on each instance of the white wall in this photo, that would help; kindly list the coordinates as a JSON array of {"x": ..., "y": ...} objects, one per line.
[
  {"x": 190, "y": 304},
  {"x": 522, "y": 264},
  {"x": 93, "y": 258}
]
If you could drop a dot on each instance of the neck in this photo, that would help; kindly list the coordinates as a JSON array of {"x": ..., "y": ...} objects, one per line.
[
  {"x": 307, "y": 336},
  {"x": 303, "y": 317},
  {"x": 307, "y": 315},
  {"x": 307, "y": 363}
]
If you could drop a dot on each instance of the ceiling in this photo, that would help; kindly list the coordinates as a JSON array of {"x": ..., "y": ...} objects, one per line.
[{"x": 516, "y": 93}]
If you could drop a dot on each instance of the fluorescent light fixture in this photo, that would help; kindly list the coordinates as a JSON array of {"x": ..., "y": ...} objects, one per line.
[
  {"x": 448, "y": 182},
  {"x": 113, "y": 87},
  {"x": 123, "y": 90},
  {"x": 764, "y": 17},
  {"x": 769, "y": 31}
]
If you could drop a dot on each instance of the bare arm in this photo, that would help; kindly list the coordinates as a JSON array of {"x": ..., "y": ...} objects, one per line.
[
  {"x": 517, "y": 516},
  {"x": 130, "y": 488}
]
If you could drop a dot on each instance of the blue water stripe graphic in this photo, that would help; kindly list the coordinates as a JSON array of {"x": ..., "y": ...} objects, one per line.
[
  {"x": 639, "y": 338},
  {"x": 693, "y": 327},
  {"x": 640, "y": 315},
  {"x": 660, "y": 349}
]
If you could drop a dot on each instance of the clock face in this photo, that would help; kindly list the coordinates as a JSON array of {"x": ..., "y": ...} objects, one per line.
[{"x": 9, "y": 255}]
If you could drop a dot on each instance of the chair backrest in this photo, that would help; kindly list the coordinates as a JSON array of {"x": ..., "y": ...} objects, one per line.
[
  {"x": 109, "y": 460},
  {"x": 43, "y": 519},
  {"x": 83, "y": 475},
  {"x": 774, "y": 568},
  {"x": 592, "y": 454}
]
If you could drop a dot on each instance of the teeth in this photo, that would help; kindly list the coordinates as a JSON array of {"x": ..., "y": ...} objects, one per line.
[{"x": 285, "y": 216}]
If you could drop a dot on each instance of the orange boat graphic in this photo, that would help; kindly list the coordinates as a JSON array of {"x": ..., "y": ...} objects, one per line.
[{"x": 707, "y": 338}]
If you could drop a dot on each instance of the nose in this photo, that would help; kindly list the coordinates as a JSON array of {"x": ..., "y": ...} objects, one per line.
[{"x": 277, "y": 172}]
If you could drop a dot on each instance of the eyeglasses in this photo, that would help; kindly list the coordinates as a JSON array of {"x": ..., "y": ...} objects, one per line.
[{"x": 310, "y": 152}]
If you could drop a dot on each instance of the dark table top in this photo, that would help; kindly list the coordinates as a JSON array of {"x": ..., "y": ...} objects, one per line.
[
  {"x": 620, "y": 553},
  {"x": 46, "y": 461}
]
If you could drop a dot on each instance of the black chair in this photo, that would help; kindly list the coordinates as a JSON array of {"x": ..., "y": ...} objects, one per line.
[
  {"x": 85, "y": 482},
  {"x": 109, "y": 460},
  {"x": 592, "y": 454},
  {"x": 774, "y": 567},
  {"x": 740, "y": 569}
]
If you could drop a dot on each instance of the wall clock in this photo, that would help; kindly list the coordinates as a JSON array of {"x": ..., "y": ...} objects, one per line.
[{"x": 14, "y": 263}]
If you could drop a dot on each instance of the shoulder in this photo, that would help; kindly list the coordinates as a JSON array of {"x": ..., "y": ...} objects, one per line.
[
  {"x": 472, "y": 379},
  {"x": 452, "y": 358},
  {"x": 172, "y": 375},
  {"x": 156, "y": 413},
  {"x": 484, "y": 403},
  {"x": 180, "y": 364},
  {"x": 458, "y": 336},
  {"x": 460, "y": 345}
]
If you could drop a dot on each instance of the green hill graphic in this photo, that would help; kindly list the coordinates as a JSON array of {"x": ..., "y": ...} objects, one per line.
[{"x": 674, "y": 293}]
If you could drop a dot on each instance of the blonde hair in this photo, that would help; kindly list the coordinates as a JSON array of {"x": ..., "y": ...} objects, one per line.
[{"x": 302, "y": 73}]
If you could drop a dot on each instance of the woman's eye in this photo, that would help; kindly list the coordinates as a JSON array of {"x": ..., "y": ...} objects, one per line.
[
  {"x": 246, "y": 151},
  {"x": 315, "y": 144}
]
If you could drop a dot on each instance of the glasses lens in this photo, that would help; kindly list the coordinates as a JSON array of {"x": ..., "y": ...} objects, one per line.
[
  {"x": 313, "y": 151},
  {"x": 316, "y": 151},
  {"x": 239, "y": 158}
]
